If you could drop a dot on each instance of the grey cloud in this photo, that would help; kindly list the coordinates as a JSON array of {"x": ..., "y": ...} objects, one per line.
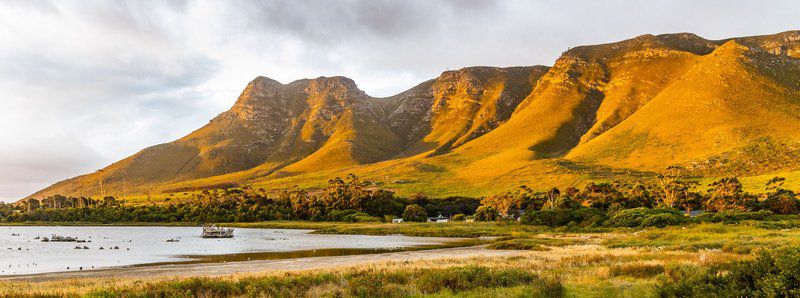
[
  {"x": 30, "y": 163},
  {"x": 128, "y": 76},
  {"x": 330, "y": 22}
]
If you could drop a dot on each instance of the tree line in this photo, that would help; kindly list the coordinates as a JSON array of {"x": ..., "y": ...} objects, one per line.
[
  {"x": 348, "y": 199},
  {"x": 354, "y": 200},
  {"x": 660, "y": 203}
]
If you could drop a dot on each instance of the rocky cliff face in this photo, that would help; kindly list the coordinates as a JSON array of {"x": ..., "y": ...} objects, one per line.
[
  {"x": 640, "y": 105},
  {"x": 459, "y": 106}
]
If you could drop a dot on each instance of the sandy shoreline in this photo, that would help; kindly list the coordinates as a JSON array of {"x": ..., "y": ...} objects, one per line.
[{"x": 262, "y": 266}]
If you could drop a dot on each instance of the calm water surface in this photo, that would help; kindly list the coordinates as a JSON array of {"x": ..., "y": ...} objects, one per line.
[{"x": 24, "y": 254}]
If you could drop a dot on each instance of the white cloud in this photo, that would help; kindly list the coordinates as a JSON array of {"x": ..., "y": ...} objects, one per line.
[{"x": 85, "y": 83}]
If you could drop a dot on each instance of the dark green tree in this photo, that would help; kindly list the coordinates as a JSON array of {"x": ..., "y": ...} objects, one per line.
[{"x": 415, "y": 213}]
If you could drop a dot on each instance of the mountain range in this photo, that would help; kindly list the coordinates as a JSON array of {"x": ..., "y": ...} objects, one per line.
[{"x": 623, "y": 110}]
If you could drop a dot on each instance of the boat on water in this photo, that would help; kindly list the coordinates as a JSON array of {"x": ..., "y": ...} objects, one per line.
[{"x": 212, "y": 231}]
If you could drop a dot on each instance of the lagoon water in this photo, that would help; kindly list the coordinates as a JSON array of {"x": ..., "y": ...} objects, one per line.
[{"x": 24, "y": 254}]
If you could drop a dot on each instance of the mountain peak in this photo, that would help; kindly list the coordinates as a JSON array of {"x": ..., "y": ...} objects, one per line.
[
  {"x": 264, "y": 80},
  {"x": 733, "y": 45},
  {"x": 338, "y": 86},
  {"x": 259, "y": 91},
  {"x": 334, "y": 81}
]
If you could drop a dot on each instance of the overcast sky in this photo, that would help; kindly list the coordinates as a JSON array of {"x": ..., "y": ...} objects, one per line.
[{"x": 86, "y": 83}]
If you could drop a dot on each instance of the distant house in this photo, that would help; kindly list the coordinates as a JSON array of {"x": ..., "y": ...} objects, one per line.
[
  {"x": 439, "y": 218},
  {"x": 397, "y": 220}
]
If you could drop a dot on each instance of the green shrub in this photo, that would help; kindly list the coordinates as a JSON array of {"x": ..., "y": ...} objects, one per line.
[
  {"x": 685, "y": 280},
  {"x": 486, "y": 213},
  {"x": 361, "y": 217},
  {"x": 586, "y": 217},
  {"x": 459, "y": 217},
  {"x": 536, "y": 243},
  {"x": 662, "y": 220},
  {"x": 583, "y": 217},
  {"x": 635, "y": 217},
  {"x": 548, "y": 217},
  {"x": 777, "y": 225},
  {"x": 733, "y": 216},
  {"x": 775, "y": 274},
  {"x": 351, "y": 215}
]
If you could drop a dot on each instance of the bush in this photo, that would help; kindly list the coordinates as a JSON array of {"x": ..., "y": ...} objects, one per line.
[
  {"x": 339, "y": 215},
  {"x": 733, "y": 216},
  {"x": 635, "y": 217},
  {"x": 486, "y": 213},
  {"x": 662, "y": 220},
  {"x": 685, "y": 280},
  {"x": 586, "y": 217},
  {"x": 781, "y": 204},
  {"x": 538, "y": 244},
  {"x": 415, "y": 213},
  {"x": 360, "y": 217},
  {"x": 459, "y": 217},
  {"x": 773, "y": 274},
  {"x": 550, "y": 217},
  {"x": 351, "y": 215},
  {"x": 561, "y": 217}
]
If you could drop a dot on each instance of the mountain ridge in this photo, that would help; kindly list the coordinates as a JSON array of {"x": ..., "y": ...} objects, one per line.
[{"x": 634, "y": 105}]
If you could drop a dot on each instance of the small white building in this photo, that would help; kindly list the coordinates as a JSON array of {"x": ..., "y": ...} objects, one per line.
[
  {"x": 439, "y": 218},
  {"x": 397, "y": 220}
]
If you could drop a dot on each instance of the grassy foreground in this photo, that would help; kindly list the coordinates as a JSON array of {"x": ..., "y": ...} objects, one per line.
[{"x": 552, "y": 263}]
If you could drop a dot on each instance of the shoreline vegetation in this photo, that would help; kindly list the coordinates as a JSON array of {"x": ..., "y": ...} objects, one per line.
[
  {"x": 553, "y": 262},
  {"x": 647, "y": 262},
  {"x": 661, "y": 238}
]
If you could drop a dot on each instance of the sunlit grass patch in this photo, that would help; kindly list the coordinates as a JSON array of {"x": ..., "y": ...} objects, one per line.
[
  {"x": 740, "y": 238},
  {"x": 534, "y": 243}
]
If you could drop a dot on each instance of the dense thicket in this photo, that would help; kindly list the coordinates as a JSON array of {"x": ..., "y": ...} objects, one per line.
[{"x": 771, "y": 274}]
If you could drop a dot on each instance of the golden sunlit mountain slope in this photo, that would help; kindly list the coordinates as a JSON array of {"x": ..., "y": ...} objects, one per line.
[
  {"x": 731, "y": 99},
  {"x": 314, "y": 125},
  {"x": 459, "y": 106},
  {"x": 619, "y": 110}
]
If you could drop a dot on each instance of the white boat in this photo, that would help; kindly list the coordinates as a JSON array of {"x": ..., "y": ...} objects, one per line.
[{"x": 212, "y": 231}]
